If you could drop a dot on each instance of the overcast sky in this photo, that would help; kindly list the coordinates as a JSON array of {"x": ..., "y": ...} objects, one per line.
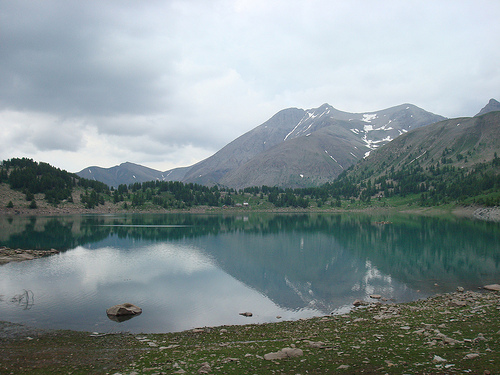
[{"x": 168, "y": 83}]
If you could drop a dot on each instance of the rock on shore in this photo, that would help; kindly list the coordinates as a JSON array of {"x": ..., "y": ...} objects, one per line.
[
  {"x": 10, "y": 255},
  {"x": 487, "y": 213}
]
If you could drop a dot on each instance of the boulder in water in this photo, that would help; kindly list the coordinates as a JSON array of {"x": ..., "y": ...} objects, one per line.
[
  {"x": 493, "y": 287},
  {"x": 124, "y": 309}
]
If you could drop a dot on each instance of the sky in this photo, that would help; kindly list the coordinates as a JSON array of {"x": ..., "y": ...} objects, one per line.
[{"x": 168, "y": 83}]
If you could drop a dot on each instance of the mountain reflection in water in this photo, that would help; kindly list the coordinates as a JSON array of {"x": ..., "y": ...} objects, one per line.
[{"x": 196, "y": 270}]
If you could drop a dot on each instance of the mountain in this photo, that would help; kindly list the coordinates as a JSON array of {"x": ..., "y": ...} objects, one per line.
[
  {"x": 244, "y": 148},
  {"x": 129, "y": 173},
  {"x": 301, "y": 148},
  {"x": 454, "y": 160},
  {"x": 460, "y": 142},
  {"x": 303, "y": 161},
  {"x": 294, "y": 148},
  {"x": 492, "y": 106}
]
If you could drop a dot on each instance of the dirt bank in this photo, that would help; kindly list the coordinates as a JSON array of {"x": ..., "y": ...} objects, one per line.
[
  {"x": 487, "y": 213},
  {"x": 10, "y": 255}
]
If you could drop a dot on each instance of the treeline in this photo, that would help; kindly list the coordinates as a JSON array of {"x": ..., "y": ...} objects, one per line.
[
  {"x": 57, "y": 185},
  {"x": 171, "y": 194},
  {"x": 32, "y": 178},
  {"x": 434, "y": 184},
  {"x": 438, "y": 183},
  {"x": 175, "y": 194}
]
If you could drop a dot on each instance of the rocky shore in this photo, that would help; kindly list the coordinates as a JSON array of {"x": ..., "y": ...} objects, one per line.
[
  {"x": 445, "y": 334},
  {"x": 487, "y": 213},
  {"x": 18, "y": 255}
]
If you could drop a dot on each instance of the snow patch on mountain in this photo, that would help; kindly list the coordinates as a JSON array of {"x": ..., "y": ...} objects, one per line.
[
  {"x": 301, "y": 128},
  {"x": 367, "y": 117},
  {"x": 418, "y": 157},
  {"x": 335, "y": 160}
]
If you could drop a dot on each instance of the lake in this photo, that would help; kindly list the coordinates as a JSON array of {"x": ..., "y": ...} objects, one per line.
[{"x": 187, "y": 270}]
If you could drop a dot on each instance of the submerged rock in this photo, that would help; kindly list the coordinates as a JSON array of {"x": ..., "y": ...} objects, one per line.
[{"x": 492, "y": 287}]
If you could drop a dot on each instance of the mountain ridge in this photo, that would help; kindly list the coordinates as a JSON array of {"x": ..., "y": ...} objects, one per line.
[
  {"x": 129, "y": 173},
  {"x": 373, "y": 128},
  {"x": 475, "y": 138},
  {"x": 295, "y": 148},
  {"x": 492, "y": 106}
]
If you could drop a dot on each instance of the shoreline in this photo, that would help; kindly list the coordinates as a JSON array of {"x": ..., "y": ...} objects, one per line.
[
  {"x": 471, "y": 212},
  {"x": 8, "y": 255},
  {"x": 446, "y": 333}
]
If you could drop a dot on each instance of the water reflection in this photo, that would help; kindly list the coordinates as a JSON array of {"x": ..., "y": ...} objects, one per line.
[
  {"x": 121, "y": 318},
  {"x": 197, "y": 270}
]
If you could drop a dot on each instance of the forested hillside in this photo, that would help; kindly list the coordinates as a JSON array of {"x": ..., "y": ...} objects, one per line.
[
  {"x": 450, "y": 161},
  {"x": 39, "y": 180},
  {"x": 31, "y": 177}
]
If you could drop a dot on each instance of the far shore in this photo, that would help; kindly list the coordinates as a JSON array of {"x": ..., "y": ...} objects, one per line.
[{"x": 471, "y": 212}]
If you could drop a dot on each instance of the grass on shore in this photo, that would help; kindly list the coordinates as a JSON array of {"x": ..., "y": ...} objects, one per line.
[{"x": 452, "y": 333}]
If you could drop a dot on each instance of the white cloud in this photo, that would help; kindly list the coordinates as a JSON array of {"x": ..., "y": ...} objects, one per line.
[{"x": 29, "y": 130}]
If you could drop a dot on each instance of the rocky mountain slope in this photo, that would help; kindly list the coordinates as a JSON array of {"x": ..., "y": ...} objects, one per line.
[
  {"x": 492, "y": 106},
  {"x": 317, "y": 148},
  {"x": 461, "y": 143}
]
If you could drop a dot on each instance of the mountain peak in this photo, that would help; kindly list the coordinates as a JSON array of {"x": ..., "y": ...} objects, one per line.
[{"x": 492, "y": 106}]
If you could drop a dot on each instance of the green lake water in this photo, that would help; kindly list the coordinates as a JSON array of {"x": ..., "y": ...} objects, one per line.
[{"x": 188, "y": 271}]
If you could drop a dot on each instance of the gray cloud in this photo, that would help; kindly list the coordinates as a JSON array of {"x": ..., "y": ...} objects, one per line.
[
  {"x": 96, "y": 82},
  {"x": 76, "y": 58}
]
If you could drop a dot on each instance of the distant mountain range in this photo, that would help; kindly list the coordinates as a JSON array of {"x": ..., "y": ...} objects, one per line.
[
  {"x": 294, "y": 148},
  {"x": 129, "y": 173}
]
